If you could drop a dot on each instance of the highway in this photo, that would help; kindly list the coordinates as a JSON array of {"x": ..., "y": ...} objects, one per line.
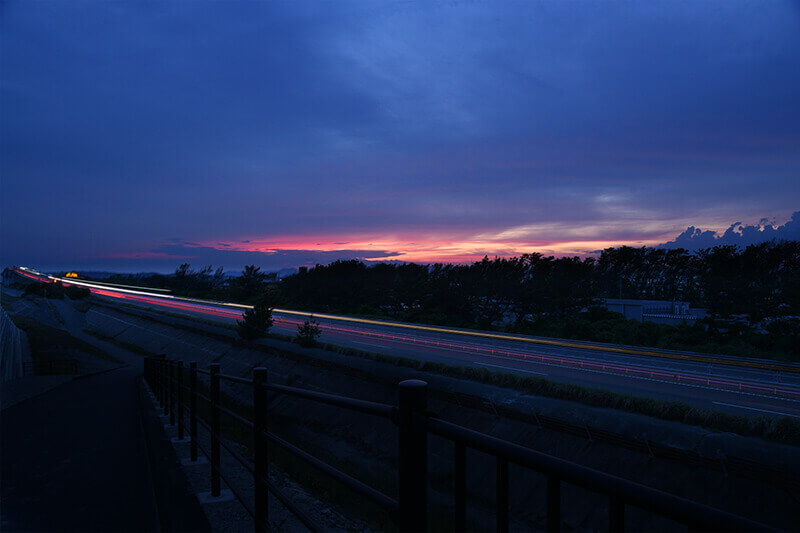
[{"x": 741, "y": 386}]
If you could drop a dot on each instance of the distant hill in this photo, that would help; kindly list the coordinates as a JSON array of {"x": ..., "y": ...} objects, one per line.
[{"x": 102, "y": 274}]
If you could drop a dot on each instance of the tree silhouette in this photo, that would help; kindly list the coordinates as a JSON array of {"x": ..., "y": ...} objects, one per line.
[
  {"x": 257, "y": 321},
  {"x": 308, "y": 332},
  {"x": 251, "y": 284}
]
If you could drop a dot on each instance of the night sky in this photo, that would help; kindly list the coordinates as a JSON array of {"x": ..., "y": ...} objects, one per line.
[{"x": 139, "y": 135}]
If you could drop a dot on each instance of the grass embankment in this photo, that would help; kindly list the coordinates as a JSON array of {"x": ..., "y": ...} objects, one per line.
[
  {"x": 135, "y": 348},
  {"x": 777, "y": 429},
  {"x": 6, "y": 300},
  {"x": 607, "y": 327},
  {"x": 707, "y": 336},
  {"x": 55, "y": 346}
]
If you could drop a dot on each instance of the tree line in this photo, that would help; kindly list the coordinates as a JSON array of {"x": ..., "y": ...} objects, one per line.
[
  {"x": 761, "y": 281},
  {"x": 546, "y": 295}
]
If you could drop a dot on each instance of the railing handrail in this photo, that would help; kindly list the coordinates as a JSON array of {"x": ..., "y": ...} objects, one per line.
[
  {"x": 656, "y": 501},
  {"x": 355, "y": 404},
  {"x": 376, "y": 496}
]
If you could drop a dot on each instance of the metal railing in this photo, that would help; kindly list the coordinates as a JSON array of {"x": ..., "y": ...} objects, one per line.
[
  {"x": 728, "y": 465},
  {"x": 168, "y": 381}
]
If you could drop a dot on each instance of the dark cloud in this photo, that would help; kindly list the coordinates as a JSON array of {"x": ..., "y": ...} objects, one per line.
[
  {"x": 125, "y": 123},
  {"x": 165, "y": 258},
  {"x": 737, "y": 234}
]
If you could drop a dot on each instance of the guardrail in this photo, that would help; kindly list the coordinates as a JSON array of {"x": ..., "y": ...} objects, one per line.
[{"x": 168, "y": 380}]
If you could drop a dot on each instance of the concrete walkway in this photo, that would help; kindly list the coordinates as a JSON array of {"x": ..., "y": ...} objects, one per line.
[{"x": 75, "y": 459}]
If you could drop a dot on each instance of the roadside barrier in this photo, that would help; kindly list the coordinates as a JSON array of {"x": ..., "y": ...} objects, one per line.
[{"x": 408, "y": 508}]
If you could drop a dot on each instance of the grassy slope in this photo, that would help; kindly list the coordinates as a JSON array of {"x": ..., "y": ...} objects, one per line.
[{"x": 778, "y": 429}]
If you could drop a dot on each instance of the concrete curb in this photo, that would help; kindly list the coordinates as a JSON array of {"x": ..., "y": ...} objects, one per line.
[{"x": 178, "y": 507}]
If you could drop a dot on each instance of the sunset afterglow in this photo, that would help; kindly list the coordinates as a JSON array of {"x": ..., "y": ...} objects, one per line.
[{"x": 438, "y": 133}]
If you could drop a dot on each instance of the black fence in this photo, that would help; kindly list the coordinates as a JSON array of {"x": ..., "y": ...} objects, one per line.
[
  {"x": 728, "y": 465},
  {"x": 172, "y": 381}
]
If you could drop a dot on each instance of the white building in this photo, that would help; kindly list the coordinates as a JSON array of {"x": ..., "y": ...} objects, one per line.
[{"x": 659, "y": 311}]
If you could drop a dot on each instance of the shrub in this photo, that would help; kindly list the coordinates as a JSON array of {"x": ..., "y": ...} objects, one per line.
[
  {"x": 35, "y": 288},
  {"x": 256, "y": 323},
  {"x": 73, "y": 292},
  {"x": 54, "y": 291},
  {"x": 308, "y": 332}
]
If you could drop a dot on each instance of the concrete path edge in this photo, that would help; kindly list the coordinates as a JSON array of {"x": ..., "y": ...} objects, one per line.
[{"x": 178, "y": 507}]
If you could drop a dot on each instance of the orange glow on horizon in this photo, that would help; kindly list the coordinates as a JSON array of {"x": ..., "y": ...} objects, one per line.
[{"x": 431, "y": 249}]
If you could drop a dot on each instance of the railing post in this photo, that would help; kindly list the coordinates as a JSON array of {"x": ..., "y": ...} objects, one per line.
[
  {"x": 193, "y": 409},
  {"x": 171, "y": 378},
  {"x": 460, "y": 479},
  {"x": 412, "y": 455},
  {"x": 616, "y": 515},
  {"x": 260, "y": 453},
  {"x": 553, "y": 504},
  {"x": 179, "y": 386},
  {"x": 215, "y": 460},
  {"x": 162, "y": 370},
  {"x": 157, "y": 380},
  {"x": 502, "y": 494}
]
